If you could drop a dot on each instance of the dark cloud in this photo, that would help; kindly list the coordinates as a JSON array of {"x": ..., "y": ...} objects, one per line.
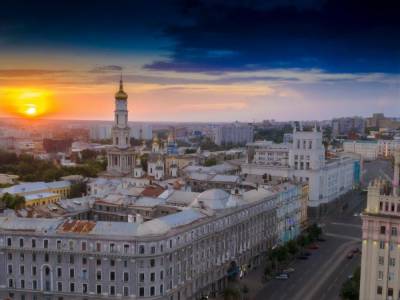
[
  {"x": 334, "y": 35},
  {"x": 105, "y": 69}
]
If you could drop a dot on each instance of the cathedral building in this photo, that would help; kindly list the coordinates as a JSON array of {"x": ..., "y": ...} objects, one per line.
[{"x": 121, "y": 157}]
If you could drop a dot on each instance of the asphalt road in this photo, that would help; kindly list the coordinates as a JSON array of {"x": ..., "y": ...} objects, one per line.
[
  {"x": 376, "y": 169},
  {"x": 322, "y": 275}
]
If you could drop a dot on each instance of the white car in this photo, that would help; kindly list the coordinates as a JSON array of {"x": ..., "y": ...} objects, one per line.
[{"x": 282, "y": 276}]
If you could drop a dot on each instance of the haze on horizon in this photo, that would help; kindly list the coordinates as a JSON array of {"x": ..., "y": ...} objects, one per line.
[{"x": 200, "y": 60}]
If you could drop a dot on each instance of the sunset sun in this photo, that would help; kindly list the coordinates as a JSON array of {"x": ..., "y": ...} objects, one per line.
[
  {"x": 29, "y": 102},
  {"x": 31, "y": 110}
]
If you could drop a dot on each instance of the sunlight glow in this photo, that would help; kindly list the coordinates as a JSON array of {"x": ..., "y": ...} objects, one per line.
[{"x": 28, "y": 102}]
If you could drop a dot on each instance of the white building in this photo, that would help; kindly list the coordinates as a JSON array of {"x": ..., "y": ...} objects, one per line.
[
  {"x": 372, "y": 149},
  {"x": 236, "y": 133},
  {"x": 327, "y": 178}
]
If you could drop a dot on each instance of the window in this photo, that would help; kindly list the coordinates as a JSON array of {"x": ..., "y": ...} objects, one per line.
[
  {"x": 126, "y": 276},
  {"x": 381, "y": 260},
  {"x": 112, "y": 275},
  {"x": 59, "y": 244},
  {"x": 383, "y": 230},
  {"x": 152, "y": 263},
  {"x": 34, "y": 284},
  {"x": 59, "y": 258},
  {"x": 141, "y": 292},
  {"x": 34, "y": 271},
  {"x": 98, "y": 289},
  {"x": 394, "y": 231},
  {"x": 33, "y": 243},
  {"x": 125, "y": 263},
  {"x": 71, "y": 273},
  {"x": 161, "y": 289},
  {"x": 380, "y": 275},
  {"x": 161, "y": 275},
  {"x": 392, "y": 261},
  {"x": 9, "y": 255},
  {"x": 71, "y": 245},
  {"x": 382, "y": 244},
  {"x": 71, "y": 259},
  {"x": 22, "y": 257},
  {"x": 9, "y": 269},
  {"x": 21, "y": 243},
  {"x": 390, "y": 292},
  {"x": 152, "y": 277},
  {"x": 46, "y": 257},
  {"x": 112, "y": 247},
  {"x": 112, "y": 290},
  {"x": 45, "y": 244},
  {"x": 59, "y": 272},
  {"x": 390, "y": 276},
  {"x": 22, "y": 269},
  {"x": 9, "y": 242},
  {"x": 84, "y": 288},
  {"x": 84, "y": 274},
  {"x": 141, "y": 249},
  {"x": 153, "y": 249},
  {"x": 98, "y": 262},
  {"x": 98, "y": 247},
  {"x": 126, "y": 291},
  {"x": 83, "y": 246},
  {"x": 152, "y": 291},
  {"x": 98, "y": 275},
  {"x": 59, "y": 286},
  {"x": 22, "y": 284},
  {"x": 379, "y": 290},
  {"x": 112, "y": 263},
  {"x": 84, "y": 260},
  {"x": 141, "y": 277},
  {"x": 126, "y": 248},
  {"x": 33, "y": 257},
  {"x": 10, "y": 283}
]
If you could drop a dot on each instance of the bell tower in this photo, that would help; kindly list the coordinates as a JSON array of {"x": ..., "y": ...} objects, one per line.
[{"x": 121, "y": 157}]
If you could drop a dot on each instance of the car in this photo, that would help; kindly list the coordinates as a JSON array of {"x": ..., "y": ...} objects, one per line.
[
  {"x": 350, "y": 255},
  {"x": 321, "y": 240},
  {"x": 288, "y": 270},
  {"x": 307, "y": 253},
  {"x": 282, "y": 276},
  {"x": 356, "y": 250},
  {"x": 350, "y": 276},
  {"x": 303, "y": 257},
  {"x": 356, "y": 215},
  {"x": 313, "y": 247}
]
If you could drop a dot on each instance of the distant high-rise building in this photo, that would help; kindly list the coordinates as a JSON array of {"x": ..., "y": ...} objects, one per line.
[
  {"x": 142, "y": 131},
  {"x": 100, "y": 132},
  {"x": 345, "y": 126},
  {"x": 236, "y": 133}
]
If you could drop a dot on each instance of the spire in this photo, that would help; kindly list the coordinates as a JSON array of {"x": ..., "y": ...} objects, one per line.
[{"x": 121, "y": 83}]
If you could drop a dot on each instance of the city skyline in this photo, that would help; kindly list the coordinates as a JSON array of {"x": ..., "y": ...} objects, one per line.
[{"x": 191, "y": 61}]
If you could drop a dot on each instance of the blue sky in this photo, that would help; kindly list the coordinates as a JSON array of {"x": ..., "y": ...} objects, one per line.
[{"x": 203, "y": 59}]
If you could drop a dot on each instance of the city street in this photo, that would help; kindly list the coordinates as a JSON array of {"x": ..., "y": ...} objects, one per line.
[{"x": 322, "y": 275}]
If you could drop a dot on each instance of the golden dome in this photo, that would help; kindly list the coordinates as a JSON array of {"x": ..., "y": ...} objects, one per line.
[{"x": 121, "y": 94}]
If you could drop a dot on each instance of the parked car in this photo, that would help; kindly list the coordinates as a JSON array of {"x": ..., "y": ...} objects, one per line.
[
  {"x": 307, "y": 253},
  {"x": 321, "y": 240},
  {"x": 288, "y": 270},
  {"x": 350, "y": 255},
  {"x": 313, "y": 247},
  {"x": 356, "y": 250},
  {"x": 282, "y": 276}
]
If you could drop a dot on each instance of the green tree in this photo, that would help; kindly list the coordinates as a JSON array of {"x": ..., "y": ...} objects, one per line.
[
  {"x": 12, "y": 201},
  {"x": 212, "y": 161},
  {"x": 351, "y": 287},
  {"x": 292, "y": 247},
  {"x": 78, "y": 189},
  {"x": 231, "y": 294}
]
